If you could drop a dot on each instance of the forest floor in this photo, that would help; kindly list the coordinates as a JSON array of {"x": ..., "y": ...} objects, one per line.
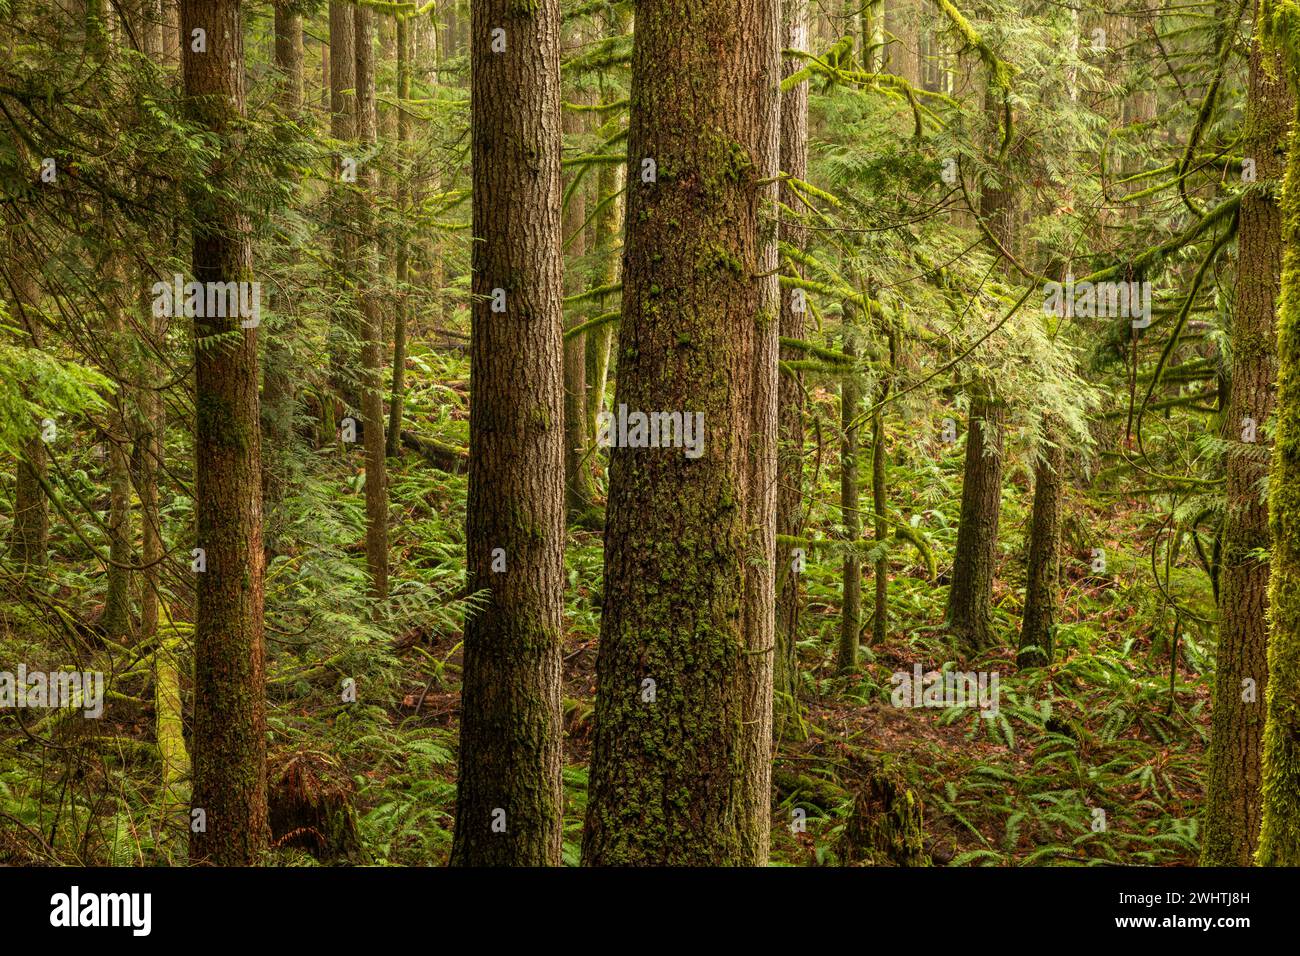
[{"x": 1086, "y": 761}]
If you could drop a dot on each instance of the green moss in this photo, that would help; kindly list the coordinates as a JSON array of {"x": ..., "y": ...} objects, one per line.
[
  {"x": 1279, "y": 842},
  {"x": 717, "y": 258},
  {"x": 217, "y": 418}
]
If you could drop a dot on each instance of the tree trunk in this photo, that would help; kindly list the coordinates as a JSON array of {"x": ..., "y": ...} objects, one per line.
[
  {"x": 343, "y": 127},
  {"x": 670, "y": 763},
  {"x": 29, "y": 536},
  {"x": 759, "y": 622},
  {"x": 372, "y": 345},
  {"x": 326, "y": 75},
  {"x": 116, "y": 619},
  {"x": 229, "y": 736},
  {"x": 599, "y": 339},
  {"x": 975, "y": 562},
  {"x": 902, "y": 57},
  {"x": 789, "y": 493},
  {"x": 880, "y": 529},
  {"x": 1279, "y": 838},
  {"x": 148, "y": 450},
  {"x": 509, "y": 801},
  {"x": 277, "y": 378},
  {"x": 873, "y": 35},
  {"x": 970, "y": 595},
  {"x": 850, "y": 511},
  {"x": 1232, "y": 805},
  {"x": 387, "y": 115},
  {"x": 610, "y": 181},
  {"x": 403, "y": 264},
  {"x": 578, "y": 490},
  {"x": 1043, "y": 583}
]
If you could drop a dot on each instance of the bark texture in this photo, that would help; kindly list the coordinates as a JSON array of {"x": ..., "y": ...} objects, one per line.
[
  {"x": 508, "y": 794},
  {"x": 789, "y": 495},
  {"x": 578, "y": 489},
  {"x": 278, "y": 392},
  {"x": 850, "y": 510},
  {"x": 672, "y": 773},
  {"x": 975, "y": 561},
  {"x": 1043, "y": 584},
  {"x": 229, "y": 735},
  {"x": 1232, "y": 808},
  {"x": 30, "y": 533},
  {"x": 372, "y": 344},
  {"x": 1279, "y": 837}
]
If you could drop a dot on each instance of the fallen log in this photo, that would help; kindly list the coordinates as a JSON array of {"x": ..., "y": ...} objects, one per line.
[{"x": 440, "y": 456}]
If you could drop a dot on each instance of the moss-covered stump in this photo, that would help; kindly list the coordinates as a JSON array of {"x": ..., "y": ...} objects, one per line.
[
  {"x": 310, "y": 804},
  {"x": 885, "y": 826}
]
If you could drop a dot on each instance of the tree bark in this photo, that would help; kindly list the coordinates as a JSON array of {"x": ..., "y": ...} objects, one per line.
[
  {"x": 1232, "y": 806},
  {"x": 278, "y": 390},
  {"x": 971, "y": 593},
  {"x": 229, "y": 673},
  {"x": 372, "y": 344},
  {"x": 509, "y": 801},
  {"x": 402, "y": 264},
  {"x": 344, "y": 332},
  {"x": 1279, "y": 838},
  {"x": 880, "y": 527},
  {"x": 759, "y": 620},
  {"x": 578, "y": 490},
  {"x": 975, "y": 562},
  {"x": 116, "y": 619},
  {"x": 608, "y": 230},
  {"x": 30, "y": 533},
  {"x": 599, "y": 339},
  {"x": 1043, "y": 583},
  {"x": 671, "y": 762},
  {"x": 850, "y": 510},
  {"x": 789, "y": 494}
]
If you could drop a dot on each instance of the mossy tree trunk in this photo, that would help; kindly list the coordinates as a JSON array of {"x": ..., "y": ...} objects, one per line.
[
  {"x": 508, "y": 795},
  {"x": 402, "y": 264},
  {"x": 598, "y": 341},
  {"x": 229, "y": 737},
  {"x": 343, "y": 127},
  {"x": 1279, "y": 836},
  {"x": 850, "y": 508},
  {"x": 789, "y": 492},
  {"x": 578, "y": 490},
  {"x": 149, "y": 431},
  {"x": 1043, "y": 582},
  {"x": 116, "y": 620},
  {"x": 672, "y": 770},
  {"x": 759, "y": 602},
  {"x": 970, "y": 595},
  {"x": 1232, "y": 807},
  {"x": 975, "y": 561},
  {"x": 607, "y": 229},
  {"x": 880, "y": 505},
  {"x": 29, "y": 535},
  {"x": 372, "y": 343},
  {"x": 278, "y": 386}
]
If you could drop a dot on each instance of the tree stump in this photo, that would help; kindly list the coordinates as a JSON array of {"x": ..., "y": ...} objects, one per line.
[
  {"x": 885, "y": 826},
  {"x": 310, "y": 804}
]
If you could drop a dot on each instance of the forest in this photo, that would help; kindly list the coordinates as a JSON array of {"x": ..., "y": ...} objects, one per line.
[{"x": 665, "y": 433}]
